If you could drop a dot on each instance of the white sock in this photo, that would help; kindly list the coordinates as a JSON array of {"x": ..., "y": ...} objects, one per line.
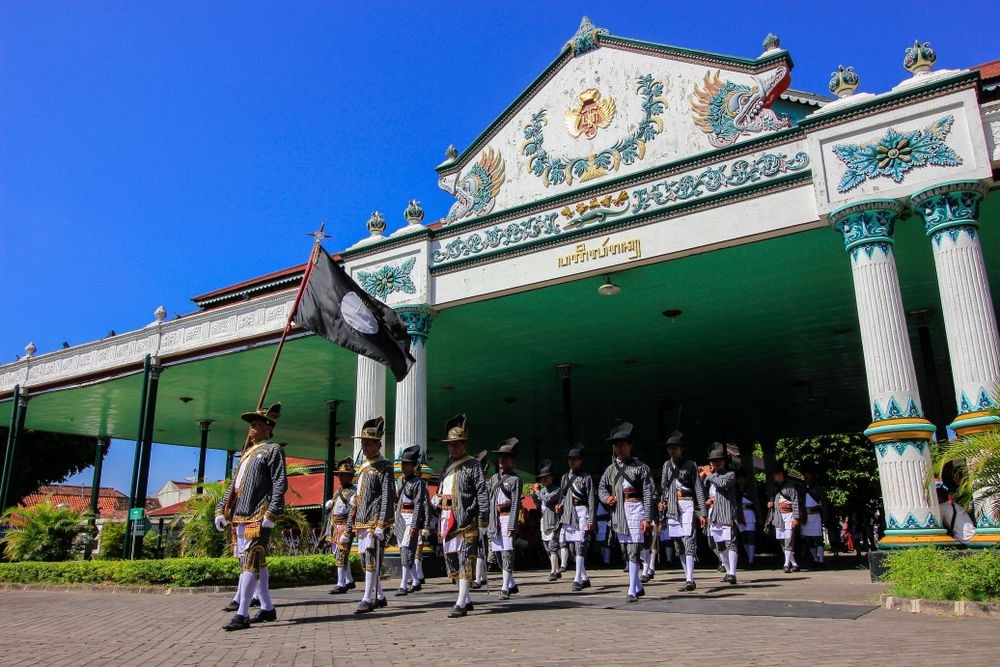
[
  {"x": 506, "y": 581},
  {"x": 819, "y": 554},
  {"x": 563, "y": 557},
  {"x": 236, "y": 598},
  {"x": 348, "y": 575},
  {"x": 418, "y": 570},
  {"x": 379, "y": 593},
  {"x": 751, "y": 549},
  {"x": 581, "y": 570},
  {"x": 646, "y": 561},
  {"x": 791, "y": 555},
  {"x": 554, "y": 561},
  {"x": 463, "y": 593},
  {"x": 369, "y": 587},
  {"x": 606, "y": 555},
  {"x": 480, "y": 569},
  {"x": 264, "y": 590},
  {"x": 788, "y": 559},
  {"x": 633, "y": 578},
  {"x": 733, "y": 560},
  {"x": 689, "y": 567},
  {"x": 513, "y": 582},
  {"x": 405, "y": 580},
  {"x": 245, "y": 589}
]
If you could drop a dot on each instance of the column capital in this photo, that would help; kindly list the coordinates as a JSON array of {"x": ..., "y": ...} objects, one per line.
[
  {"x": 417, "y": 319},
  {"x": 949, "y": 205},
  {"x": 867, "y": 224}
]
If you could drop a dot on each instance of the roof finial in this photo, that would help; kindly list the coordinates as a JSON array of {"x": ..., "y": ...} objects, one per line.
[
  {"x": 376, "y": 224},
  {"x": 844, "y": 81},
  {"x": 585, "y": 39},
  {"x": 414, "y": 214},
  {"x": 771, "y": 42},
  {"x": 919, "y": 58}
]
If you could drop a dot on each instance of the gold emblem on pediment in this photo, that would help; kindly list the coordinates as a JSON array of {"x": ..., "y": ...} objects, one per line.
[{"x": 591, "y": 114}]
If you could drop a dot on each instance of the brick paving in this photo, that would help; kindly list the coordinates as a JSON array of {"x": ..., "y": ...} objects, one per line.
[{"x": 544, "y": 623}]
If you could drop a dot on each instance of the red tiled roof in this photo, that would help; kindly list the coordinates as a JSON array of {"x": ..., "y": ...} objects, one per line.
[
  {"x": 294, "y": 460},
  {"x": 990, "y": 70},
  {"x": 182, "y": 485},
  {"x": 168, "y": 511},
  {"x": 305, "y": 490},
  {"x": 111, "y": 503}
]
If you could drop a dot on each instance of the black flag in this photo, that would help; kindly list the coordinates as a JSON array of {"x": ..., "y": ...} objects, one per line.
[{"x": 335, "y": 307}]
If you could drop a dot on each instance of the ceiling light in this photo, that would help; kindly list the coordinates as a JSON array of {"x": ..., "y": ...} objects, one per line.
[
  {"x": 673, "y": 314},
  {"x": 608, "y": 288}
]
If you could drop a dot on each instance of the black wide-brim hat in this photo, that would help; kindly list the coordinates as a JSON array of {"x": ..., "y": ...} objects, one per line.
[
  {"x": 269, "y": 415},
  {"x": 716, "y": 451},
  {"x": 373, "y": 429},
  {"x": 507, "y": 447},
  {"x": 622, "y": 431},
  {"x": 344, "y": 466},
  {"x": 410, "y": 455},
  {"x": 456, "y": 429},
  {"x": 675, "y": 439},
  {"x": 544, "y": 470},
  {"x": 576, "y": 452}
]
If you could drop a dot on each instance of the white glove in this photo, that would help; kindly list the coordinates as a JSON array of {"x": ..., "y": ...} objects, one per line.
[
  {"x": 329, "y": 505},
  {"x": 266, "y": 523},
  {"x": 220, "y": 523},
  {"x": 344, "y": 539},
  {"x": 436, "y": 502},
  {"x": 379, "y": 534}
]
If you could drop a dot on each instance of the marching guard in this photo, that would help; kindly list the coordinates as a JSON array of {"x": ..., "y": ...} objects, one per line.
[
  {"x": 748, "y": 526},
  {"x": 545, "y": 493},
  {"x": 814, "y": 503},
  {"x": 339, "y": 508},
  {"x": 505, "y": 506},
  {"x": 626, "y": 488},
  {"x": 464, "y": 503},
  {"x": 373, "y": 513},
  {"x": 411, "y": 518},
  {"x": 784, "y": 508},
  {"x": 577, "y": 513},
  {"x": 724, "y": 507},
  {"x": 255, "y": 502},
  {"x": 683, "y": 498}
]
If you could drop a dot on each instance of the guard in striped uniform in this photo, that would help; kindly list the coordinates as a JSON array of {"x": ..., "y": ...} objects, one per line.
[
  {"x": 505, "y": 506},
  {"x": 373, "y": 513},
  {"x": 751, "y": 511},
  {"x": 464, "y": 503},
  {"x": 814, "y": 502},
  {"x": 411, "y": 517},
  {"x": 545, "y": 493},
  {"x": 577, "y": 513},
  {"x": 724, "y": 508},
  {"x": 785, "y": 514},
  {"x": 682, "y": 502},
  {"x": 338, "y": 508},
  {"x": 255, "y": 503},
  {"x": 627, "y": 489}
]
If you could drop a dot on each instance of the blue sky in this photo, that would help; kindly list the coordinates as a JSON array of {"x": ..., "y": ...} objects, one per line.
[{"x": 148, "y": 148}]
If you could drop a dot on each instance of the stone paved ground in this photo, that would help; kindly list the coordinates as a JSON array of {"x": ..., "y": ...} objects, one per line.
[{"x": 545, "y": 623}]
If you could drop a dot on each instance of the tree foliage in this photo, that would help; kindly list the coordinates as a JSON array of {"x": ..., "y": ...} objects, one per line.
[
  {"x": 975, "y": 468},
  {"x": 43, "y": 532},
  {"x": 43, "y": 457},
  {"x": 848, "y": 469}
]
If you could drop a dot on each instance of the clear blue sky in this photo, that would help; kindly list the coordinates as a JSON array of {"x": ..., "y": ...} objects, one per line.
[{"x": 144, "y": 145}]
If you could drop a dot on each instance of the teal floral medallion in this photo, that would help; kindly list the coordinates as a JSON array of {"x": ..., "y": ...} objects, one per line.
[
  {"x": 896, "y": 153},
  {"x": 388, "y": 279}
]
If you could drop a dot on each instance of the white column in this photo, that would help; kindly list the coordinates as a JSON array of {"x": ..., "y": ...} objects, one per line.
[
  {"x": 370, "y": 398},
  {"x": 411, "y": 393},
  {"x": 951, "y": 219},
  {"x": 898, "y": 430}
]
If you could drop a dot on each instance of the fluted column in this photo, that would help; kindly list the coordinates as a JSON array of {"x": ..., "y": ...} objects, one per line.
[
  {"x": 950, "y": 212},
  {"x": 898, "y": 430},
  {"x": 370, "y": 397},
  {"x": 411, "y": 393}
]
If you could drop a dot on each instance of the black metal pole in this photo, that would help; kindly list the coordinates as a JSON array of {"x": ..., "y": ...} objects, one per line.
[
  {"x": 205, "y": 423},
  {"x": 146, "y": 453},
  {"x": 143, "y": 392},
  {"x": 230, "y": 455},
  {"x": 331, "y": 454},
  {"x": 8, "y": 458},
  {"x": 95, "y": 494},
  {"x": 564, "y": 378},
  {"x": 159, "y": 539},
  {"x": 934, "y": 405}
]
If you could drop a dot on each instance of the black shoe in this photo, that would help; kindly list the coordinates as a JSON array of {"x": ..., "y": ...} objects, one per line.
[
  {"x": 786, "y": 569},
  {"x": 643, "y": 579},
  {"x": 795, "y": 568},
  {"x": 338, "y": 590},
  {"x": 688, "y": 586},
  {"x": 381, "y": 602},
  {"x": 232, "y": 606},
  {"x": 421, "y": 582},
  {"x": 364, "y": 607},
  {"x": 640, "y": 593},
  {"x": 562, "y": 569},
  {"x": 651, "y": 576},
  {"x": 263, "y": 616},
  {"x": 631, "y": 598},
  {"x": 514, "y": 590},
  {"x": 414, "y": 588},
  {"x": 458, "y": 612},
  {"x": 553, "y": 576},
  {"x": 351, "y": 585},
  {"x": 585, "y": 583},
  {"x": 401, "y": 592},
  {"x": 469, "y": 606},
  {"x": 731, "y": 579},
  {"x": 254, "y": 602},
  {"x": 476, "y": 585},
  {"x": 721, "y": 568},
  {"x": 504, "y": 595},
  {"x": 238, "y": 623}
]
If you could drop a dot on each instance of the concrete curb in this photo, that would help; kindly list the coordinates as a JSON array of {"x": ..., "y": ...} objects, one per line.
[
  {"x": 111, "y": 588},
  {"x": 964, "y": 608}
]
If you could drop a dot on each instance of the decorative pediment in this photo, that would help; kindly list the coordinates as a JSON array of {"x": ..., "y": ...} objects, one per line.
[{"x": 609, "y": 107}]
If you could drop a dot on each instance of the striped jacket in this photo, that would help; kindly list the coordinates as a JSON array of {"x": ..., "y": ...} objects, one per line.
[
  {"x": 577, "y": 489},
  {"x": 470, "y": 501},
  {"x": 684, "y": 474},
  {"x": 412, "y": 491},
  {"x": 727, "y": 508},
  {"x": 612, "y": 483},
  {"x": 375, "y": 501},
  {"x": 547, "y": 498},
  {"x": 262, "y": 485},
  {"x": 504, "y": 485},
  {"x": 787, "y": 492}
]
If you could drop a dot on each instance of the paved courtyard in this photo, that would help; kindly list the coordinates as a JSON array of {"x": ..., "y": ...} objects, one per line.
[{"x": 805, "y": 618}]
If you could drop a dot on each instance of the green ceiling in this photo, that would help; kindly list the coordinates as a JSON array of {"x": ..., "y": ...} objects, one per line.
[{"x": 767, "y": 345}]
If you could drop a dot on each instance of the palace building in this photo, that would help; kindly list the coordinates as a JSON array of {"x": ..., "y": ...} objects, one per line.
[{"x": 666, "y": 235}]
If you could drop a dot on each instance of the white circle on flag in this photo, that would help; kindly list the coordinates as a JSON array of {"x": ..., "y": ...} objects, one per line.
[{"x": 357, "y": 315}]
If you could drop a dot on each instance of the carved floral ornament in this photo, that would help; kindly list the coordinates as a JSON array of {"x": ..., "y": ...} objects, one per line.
[{"x": 388, "y": 279}]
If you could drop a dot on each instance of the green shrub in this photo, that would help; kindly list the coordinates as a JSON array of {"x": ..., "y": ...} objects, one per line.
[
  {"x": 939, "y": 574},
  {"x": 42, "y": 532},
  {"x": 286, "y": 571}
]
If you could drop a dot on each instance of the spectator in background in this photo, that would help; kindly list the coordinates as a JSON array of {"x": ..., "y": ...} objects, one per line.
[{"x": 956, "y": 520}]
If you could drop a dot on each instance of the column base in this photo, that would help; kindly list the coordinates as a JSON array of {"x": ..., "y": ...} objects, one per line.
[
  {"x": 902, "y": 539},
  {"x": 974, "y": 422},
  {"x": 985, "y": 538}
]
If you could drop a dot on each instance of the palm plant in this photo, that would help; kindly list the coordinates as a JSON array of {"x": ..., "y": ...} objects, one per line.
[
  {"x": 43, "y": 532},
  {"x": 197, "y": 524},
  {"x": 975, "y": 461}
]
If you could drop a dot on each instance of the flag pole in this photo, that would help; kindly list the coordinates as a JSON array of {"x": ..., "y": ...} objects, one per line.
[{"x": 318, "y": 237}]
